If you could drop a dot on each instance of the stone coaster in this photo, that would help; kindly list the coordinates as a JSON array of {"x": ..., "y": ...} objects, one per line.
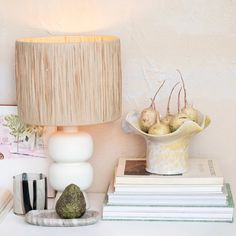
[{"x": 50, "y": 218}]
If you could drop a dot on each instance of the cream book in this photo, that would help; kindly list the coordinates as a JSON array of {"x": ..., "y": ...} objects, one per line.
[{"x": 200, "y": 172}]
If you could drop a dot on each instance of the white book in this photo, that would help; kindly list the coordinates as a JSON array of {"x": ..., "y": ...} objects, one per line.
[
  {"x": 169, "y": 219},
  {"x": 200, "y": 172},
  {"x": 159, "y": 211},
  {"x": 204, "y": 199},
  {"x": 173, "y": 217},
  {"x": 166, "y": 215},
  {"x": 172, "y": 188},
  {"x": 168, "y": 209}
]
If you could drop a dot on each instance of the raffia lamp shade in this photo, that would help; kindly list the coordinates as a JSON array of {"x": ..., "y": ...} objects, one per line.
[{"x": 68, "y": 80}]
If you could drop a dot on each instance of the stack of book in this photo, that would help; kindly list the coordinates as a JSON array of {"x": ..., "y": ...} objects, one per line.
[
  {"x": 6, "y": 203},
  {"x": 197, "y": 195}
]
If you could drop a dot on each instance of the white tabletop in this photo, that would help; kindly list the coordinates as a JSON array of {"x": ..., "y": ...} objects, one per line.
[{"x": 15, "y": 225}]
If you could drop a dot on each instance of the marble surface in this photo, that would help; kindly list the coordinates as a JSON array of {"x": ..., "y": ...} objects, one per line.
[{"x": 50, "y": 218}]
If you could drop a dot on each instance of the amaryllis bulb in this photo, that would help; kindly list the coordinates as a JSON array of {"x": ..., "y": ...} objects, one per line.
[
  {"x": 148, "y": 117},
  {"x": 167, "y": 119},
  {"x": 177, "y": 121},
  {"x": 190, "y": 112},
  {"x": 188, "y": 109},
  {"x": 159, "y": 129}
]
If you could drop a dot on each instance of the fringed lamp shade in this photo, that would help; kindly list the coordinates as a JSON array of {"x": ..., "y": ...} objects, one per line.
[{"x": 68, "y": 80}]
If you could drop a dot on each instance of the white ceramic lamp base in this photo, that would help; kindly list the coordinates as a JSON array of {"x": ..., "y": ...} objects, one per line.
[{"x": 70, "y": 149}]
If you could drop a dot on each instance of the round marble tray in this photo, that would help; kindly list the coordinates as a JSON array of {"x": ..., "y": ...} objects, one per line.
[{"x": 50, "y": 218}]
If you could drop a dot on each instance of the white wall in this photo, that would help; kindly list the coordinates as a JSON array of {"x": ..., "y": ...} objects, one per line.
[{"x": 157, "y": 36}]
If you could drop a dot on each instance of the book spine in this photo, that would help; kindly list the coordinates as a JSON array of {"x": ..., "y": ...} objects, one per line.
[
  {"x": 168, "y": 215},
  {"x": 168, "y": 189},
  {"x": 168, "y": 209},
  {"x": 125, "y": 218},
  {"x": 167, "y": 180},
  {"x": 168, "y": 203}
]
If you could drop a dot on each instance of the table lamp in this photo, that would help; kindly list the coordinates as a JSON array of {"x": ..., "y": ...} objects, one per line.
[{"x": 69, "y": 81}]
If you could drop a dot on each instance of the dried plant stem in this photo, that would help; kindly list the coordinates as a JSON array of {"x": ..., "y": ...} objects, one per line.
[
  {"x": 185, "y": 93},
  {"x": 179, "y": 99},
  {"x": 154, "y": 97},
  {"x": 168, "y": 104}
]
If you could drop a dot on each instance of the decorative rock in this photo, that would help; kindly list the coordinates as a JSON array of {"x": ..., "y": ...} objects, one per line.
[{"x": 71, "y": 203}]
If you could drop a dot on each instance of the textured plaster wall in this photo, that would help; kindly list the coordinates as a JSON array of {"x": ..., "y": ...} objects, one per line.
[{"x": 157, "y": 36}]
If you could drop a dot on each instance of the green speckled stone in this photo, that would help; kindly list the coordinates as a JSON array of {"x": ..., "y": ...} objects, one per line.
[{"x": 71, "y": 203}]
